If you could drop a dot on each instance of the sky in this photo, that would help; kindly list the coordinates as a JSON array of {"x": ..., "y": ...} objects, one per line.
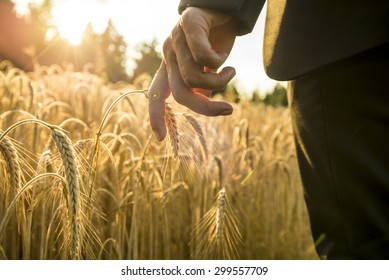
[{"x": 144, "y": 20}]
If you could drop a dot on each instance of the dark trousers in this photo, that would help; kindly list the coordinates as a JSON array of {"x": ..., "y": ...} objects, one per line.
[{"x": 340, "y": 116}]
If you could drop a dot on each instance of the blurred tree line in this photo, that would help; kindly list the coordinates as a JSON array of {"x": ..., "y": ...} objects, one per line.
[
  {"x": 35, "y": 39},
  {"x": 276, "y": 97}
]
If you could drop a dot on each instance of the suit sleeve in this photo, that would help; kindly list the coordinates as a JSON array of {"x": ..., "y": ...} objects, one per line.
[{"x": 245, "y": 11}]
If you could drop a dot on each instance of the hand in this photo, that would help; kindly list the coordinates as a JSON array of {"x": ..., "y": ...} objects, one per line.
[{"x": 200, "y": 42}]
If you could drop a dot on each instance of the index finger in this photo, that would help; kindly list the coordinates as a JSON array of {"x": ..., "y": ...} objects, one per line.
[
  {"x": 158, "y": 92},
  {"x": 197, "y": 102}
]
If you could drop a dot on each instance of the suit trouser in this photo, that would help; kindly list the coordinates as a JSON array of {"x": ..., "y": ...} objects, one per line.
[{"x": 340, "y": 116}]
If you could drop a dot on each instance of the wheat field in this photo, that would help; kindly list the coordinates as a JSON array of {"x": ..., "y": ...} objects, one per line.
[{"x": 82, "y": 177}]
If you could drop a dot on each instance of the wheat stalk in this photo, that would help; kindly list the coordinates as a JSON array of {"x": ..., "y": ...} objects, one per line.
[
  {"x": 45, "y": 162},
  {"x": 219, "y": 164},
  {"x": 197, "y": 127},
  {"x": 217, "y": 233},
  {"x": 171, "y": 123},
  {"x": 19, "y": 194},
  {"x": 97, "y": 142},
  {"x": 220, "y": 214},
  {"x": 7, "y": 149},
  {"x": 69, "y": 161}
]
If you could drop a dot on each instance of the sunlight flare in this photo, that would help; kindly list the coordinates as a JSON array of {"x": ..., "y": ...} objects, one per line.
[{"x": 71, "y": 18}]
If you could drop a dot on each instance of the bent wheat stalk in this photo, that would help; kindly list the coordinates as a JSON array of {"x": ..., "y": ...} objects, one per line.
[
  {"x": 68, "y": 157},
  {"x": 7, "y": 149},
  {"x": 69, "y": 161},
  {"x": 96, "y": 148}
]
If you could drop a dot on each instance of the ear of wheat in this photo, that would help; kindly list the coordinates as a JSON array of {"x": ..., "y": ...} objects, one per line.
[
  {"x": 7, "y": 149},
  {"x": 69, "y": 161},
  {"x": 171, "y": 123},
  {"x": 218, "y": 231},
  {"x": 199, "y": 131}
]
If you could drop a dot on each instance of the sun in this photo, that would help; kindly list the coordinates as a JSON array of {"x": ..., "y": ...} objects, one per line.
[{"x": 71, "y": 18}]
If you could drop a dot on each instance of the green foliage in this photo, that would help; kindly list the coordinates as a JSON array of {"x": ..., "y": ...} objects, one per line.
[
  {"x": 277, "y": 97},
  {"x": 231, "y": 93},
  {"x": 256, "y": 98},
  {"x": 90, "y": 47},
  {"x": 149, "y": 60},
  {"x": 114, "y": 49}
]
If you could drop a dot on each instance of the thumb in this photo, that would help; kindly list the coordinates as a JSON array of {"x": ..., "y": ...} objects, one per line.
[{"x": 196, "y": 24}]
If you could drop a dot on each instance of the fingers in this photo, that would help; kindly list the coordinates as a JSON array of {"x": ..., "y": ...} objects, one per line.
[
  {"x": 196, "y": 26},
  {"x": 192, "y": 72},
  {"x": 199, "y": 43},
  {"x": 158, "y": 92},
  {"x": 197, "y": 102},
  {"x": 205, "y": 92}
]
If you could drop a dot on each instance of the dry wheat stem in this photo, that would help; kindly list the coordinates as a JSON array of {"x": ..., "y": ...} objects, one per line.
[
  {"x": 197, "y": 127},
  {"x": 37, "y": 121},
  {"x": 20, "y": 193},
  {"x": 7, "y": 149},
  {"x": 96, "y": 149},
  {"x": 69, "y": 160},
  {"x": 220, "y": 212},
  {"x": 3, "y": 253},
  {"x": 45, "y": 162},
  {"x": 171, "y": 124},
  {"x": 219, "y": 164},
  {"x": 113, "y": 105},
  {"x": 49, "y": 229},
  {"x": 218, "y": 231}
]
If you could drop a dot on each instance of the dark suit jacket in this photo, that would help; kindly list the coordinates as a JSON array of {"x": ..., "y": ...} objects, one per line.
[{"x": 303, "y": 35}]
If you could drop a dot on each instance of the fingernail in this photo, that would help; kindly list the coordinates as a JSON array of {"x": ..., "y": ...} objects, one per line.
[
  {"x": 227, "y": 111},
  {"x": 157, "y": 135},
  {"x": 223, "y": 55},
  {"x": 232, "y": 74}
]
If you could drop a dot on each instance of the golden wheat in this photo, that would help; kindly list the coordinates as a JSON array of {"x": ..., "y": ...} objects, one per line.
[
  {"x": 219, "y": 232},
  {"x": 67, "y": 153},
  {"x": 7, "y": 149},
  {"x": 172, "y": 128},
  {"x": 199, "y": 131},
  {"x": 122, "y": 187}
]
